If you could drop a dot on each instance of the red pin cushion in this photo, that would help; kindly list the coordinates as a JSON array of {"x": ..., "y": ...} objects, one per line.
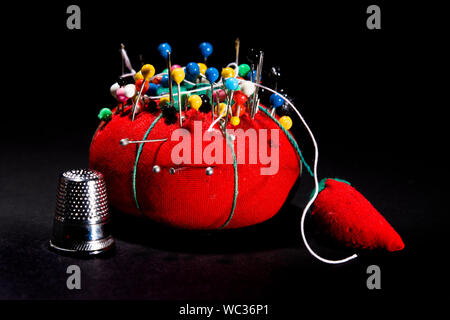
[{"x": 189, "y": 198}]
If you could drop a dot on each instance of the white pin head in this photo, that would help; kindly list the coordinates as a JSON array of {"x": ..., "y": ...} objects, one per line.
[
  {"x": 209, "y": 171},
  {"x": 247, "y": 88},
  {"x": 113, "y": 89},
  {"x": 124, "y": 142},
  {"x": 130, "y": 90},
  {"x": 156, "y": 169}
]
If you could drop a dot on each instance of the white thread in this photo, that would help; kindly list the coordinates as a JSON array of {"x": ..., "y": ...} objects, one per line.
[
  {"x": 236, "y": 68},
  {"x": 186, "y": 92},
  {"x": 316, "y": 183},
  {"x": 217, "y": 120},
  {"x": 188, "y": 82}
]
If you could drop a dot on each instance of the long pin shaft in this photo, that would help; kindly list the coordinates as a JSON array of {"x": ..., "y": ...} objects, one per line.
[
  {"x": 237, "y": 44},
  {"x": 169, "y": 66},
  {"x": 257, "y": 80},
  {"x": 145, "y": 141},
  {"x": 126, "y": 141},
  {"x": 179, "y": 105},
  {"x": 137, "y": 100},
  {"x": 250, "y": 98},
  {"x": 228, "y": 107},
  {"x": 212, "y": 101}
]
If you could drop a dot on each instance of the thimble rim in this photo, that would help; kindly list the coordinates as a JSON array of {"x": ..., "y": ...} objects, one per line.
[
  {"x": 82, "y": 174},
  {"x": 84, "y": 247}
]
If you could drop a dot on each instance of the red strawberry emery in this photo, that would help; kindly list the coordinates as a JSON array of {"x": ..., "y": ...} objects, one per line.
[{"x": 348, "y": 217}]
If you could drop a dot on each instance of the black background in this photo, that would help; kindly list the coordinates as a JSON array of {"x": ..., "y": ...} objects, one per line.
[{"x": 370, "y": 96}]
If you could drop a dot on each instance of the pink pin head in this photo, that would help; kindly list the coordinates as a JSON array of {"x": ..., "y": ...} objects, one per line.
[
  {"x": 175, "y": 66},
  {"x": 120, "y": 94},
  {"x": 221, "y": 94}
]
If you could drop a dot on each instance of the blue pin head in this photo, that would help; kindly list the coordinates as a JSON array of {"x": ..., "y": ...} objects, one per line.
[
  {"x": 165, "y": 80},
  {"x": 276, "y": 100},
  {"x": 152, "y": 89},
  {"x": 231, "y": 83},
  {"x": 212, "y": 74},
  {"x": 163, "y": 48},
  {"x": 192, "y": 69},
  {"x": 190, "y": 77},
  {"x": 206, "y": 49},
  {"x": 252, "y": 76}
]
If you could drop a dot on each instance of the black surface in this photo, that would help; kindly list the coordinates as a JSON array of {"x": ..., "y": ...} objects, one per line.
[{"x": 369, "y": 96}]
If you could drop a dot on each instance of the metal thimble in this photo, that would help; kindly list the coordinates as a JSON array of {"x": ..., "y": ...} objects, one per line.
[{"x": 81, "y": 223}]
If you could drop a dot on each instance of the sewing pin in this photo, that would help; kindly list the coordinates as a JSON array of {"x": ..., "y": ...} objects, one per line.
[
  {"x": 178, "y": 76},
  {"x": 275, "y": 74},
  {"x": 165, "y": 51},
  {"x": 257, "y": 80},
  {"x": 126, "y": 61},
  {"x": 147, "y": 72},
  {"x": 169, "y": 67},
  {"x": 237, "y": 44},
  {"x": 276, "y": 101},
  {"x": 212, "y": 74},
  {"x": 192, "y": 71},
  {"x": 206, "y": 49},
  {"x": 126, "y": 141},
  {"x": 231, "y": 84}
]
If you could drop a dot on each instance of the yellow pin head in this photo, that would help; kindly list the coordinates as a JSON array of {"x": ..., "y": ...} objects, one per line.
[
  {"x": 227, "y": 73},
  {"x": 164, "y": 100},
  {"x": 178, "y": 75},
  {"x": 235, "y": 121},
  {"x": 147, "y": 71},
  {"x": 138, "y": 76},
  {"x": 195, "y": 101},
  {"x": 222, "y": 108},
  {"x": 202, "y": 67},
  {"x": 286, "y": 122}
]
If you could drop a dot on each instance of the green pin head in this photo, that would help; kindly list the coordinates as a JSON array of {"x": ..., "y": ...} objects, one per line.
[
  {"x": 244, "y": 69},
  {"x": 105, "y": 114}
]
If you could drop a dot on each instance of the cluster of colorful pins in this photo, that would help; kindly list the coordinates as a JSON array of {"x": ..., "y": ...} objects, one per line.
[
  {"x": 247, "y": 96},
  {"x": 122, "y": 93}
]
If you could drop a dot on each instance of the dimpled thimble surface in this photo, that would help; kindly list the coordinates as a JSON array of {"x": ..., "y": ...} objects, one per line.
[{"x": 81, "y": 223}]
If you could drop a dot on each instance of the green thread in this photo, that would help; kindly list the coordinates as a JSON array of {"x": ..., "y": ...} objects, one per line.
[
  {"x": 322, "y": 185},
  {"x": 291, "y": 140},
  {"x": 236, "y": 191},
  {"x": 141, "y": 146}
]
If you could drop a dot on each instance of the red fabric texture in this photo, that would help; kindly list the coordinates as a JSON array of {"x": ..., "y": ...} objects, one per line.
[
  {"x": 189, "y": 199},
  {"x": 348, "y": 217}
]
